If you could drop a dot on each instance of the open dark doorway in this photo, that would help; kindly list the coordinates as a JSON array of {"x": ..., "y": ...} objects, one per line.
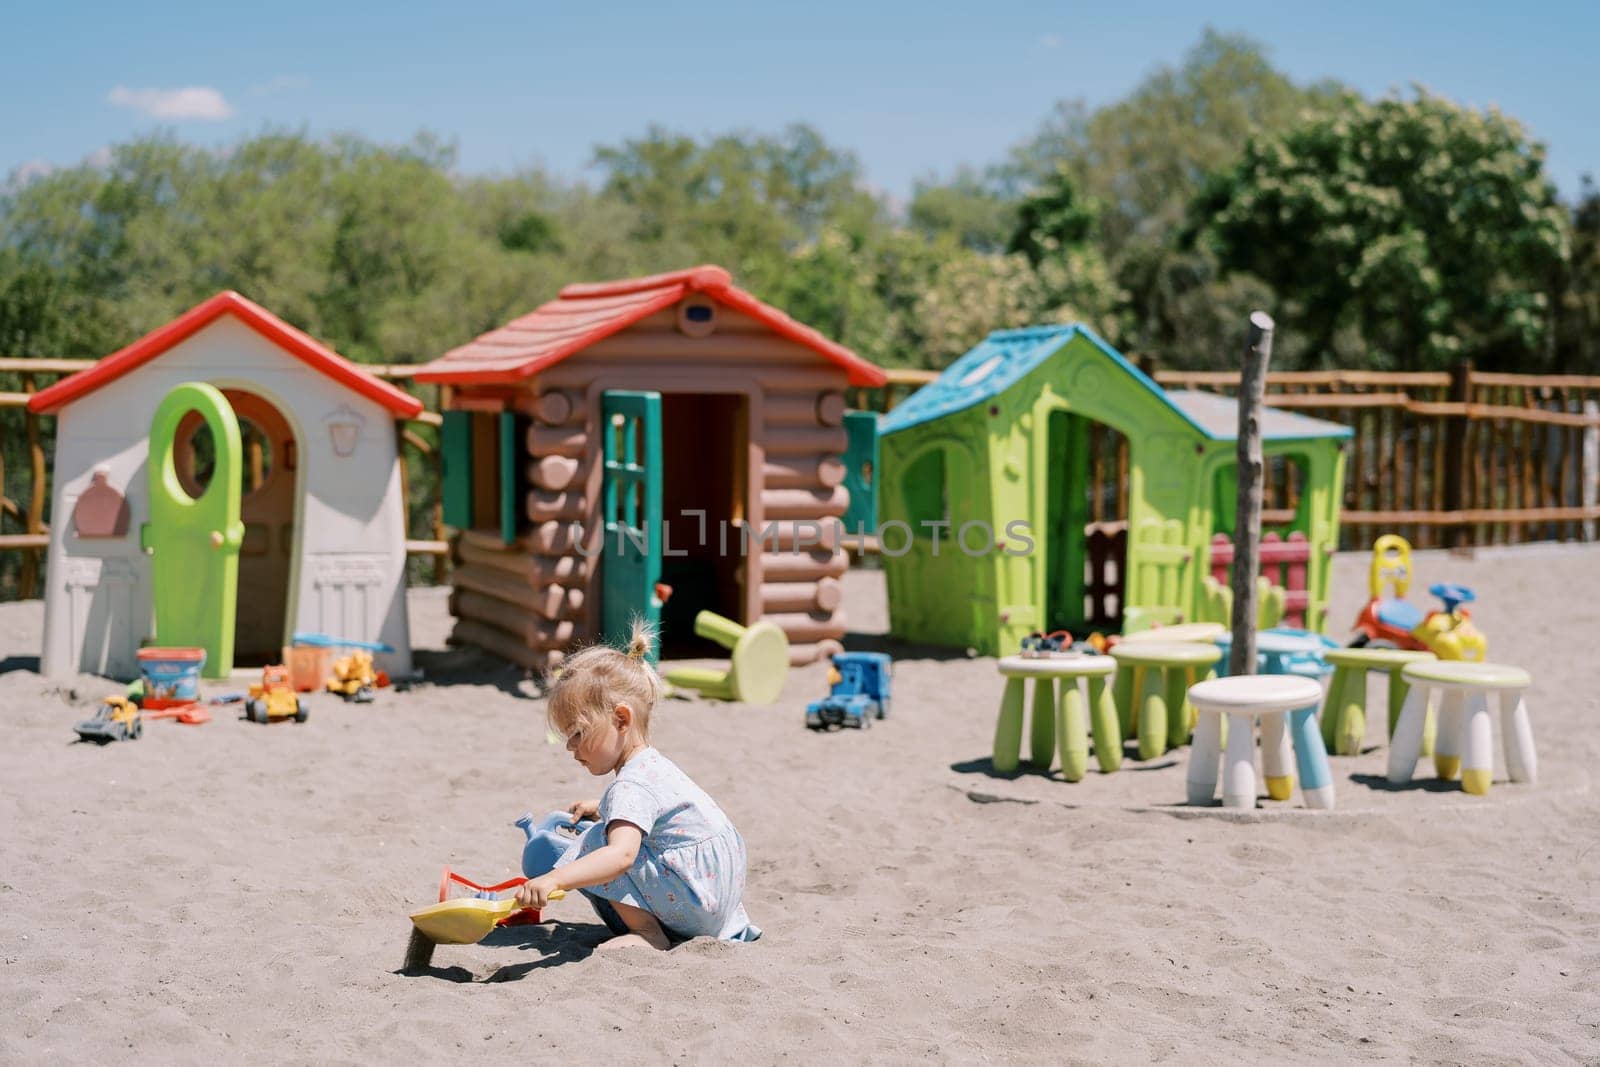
[{"x": 704, "y": 449}]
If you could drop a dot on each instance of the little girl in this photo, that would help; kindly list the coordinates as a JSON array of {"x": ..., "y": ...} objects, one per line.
[{"x": 662, "y": 862}]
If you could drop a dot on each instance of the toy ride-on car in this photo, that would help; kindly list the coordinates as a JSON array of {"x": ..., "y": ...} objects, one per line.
[
  {"x": 274, "y": 698},
  {"x": 859, "y": 692},
  {"x": 1389, "y": 620},
  {"x": 117, "y": 720}
]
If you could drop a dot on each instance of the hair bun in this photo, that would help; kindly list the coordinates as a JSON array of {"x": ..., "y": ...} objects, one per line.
[{"x": 641, "y": 640}]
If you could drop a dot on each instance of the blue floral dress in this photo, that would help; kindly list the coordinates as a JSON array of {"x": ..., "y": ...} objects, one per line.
[{"x": 689, "y": 872}]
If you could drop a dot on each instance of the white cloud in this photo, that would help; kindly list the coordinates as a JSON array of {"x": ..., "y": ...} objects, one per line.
[
  {"x": 1051, "y": 40},
  {"x": 33, "y": 168},
  {"x": 283, "y": 83},
  {"x": 193, "y": 102}
]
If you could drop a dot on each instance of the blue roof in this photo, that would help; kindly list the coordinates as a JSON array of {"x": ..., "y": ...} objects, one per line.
[
  {"x": 997, "y": 363},
  {"x": 1005, "y": 357}
]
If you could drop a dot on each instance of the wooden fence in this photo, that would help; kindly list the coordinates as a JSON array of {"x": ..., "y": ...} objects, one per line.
[{"x": 1441, "y": 458}]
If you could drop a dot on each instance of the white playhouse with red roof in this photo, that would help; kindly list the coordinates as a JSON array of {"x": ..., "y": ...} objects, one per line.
[{"x": 320, "y": 533}]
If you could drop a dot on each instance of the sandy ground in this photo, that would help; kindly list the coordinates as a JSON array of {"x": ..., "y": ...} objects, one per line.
[{"x": 239, "y": 892}]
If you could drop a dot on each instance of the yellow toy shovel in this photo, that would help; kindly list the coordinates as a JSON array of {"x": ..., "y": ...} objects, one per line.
[{"x": 466, "y": 921}]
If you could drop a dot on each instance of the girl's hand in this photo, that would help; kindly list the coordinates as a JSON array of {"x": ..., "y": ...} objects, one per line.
[
  {"x": 535, "y": 893},
  {"x": 584, "y": 809}
]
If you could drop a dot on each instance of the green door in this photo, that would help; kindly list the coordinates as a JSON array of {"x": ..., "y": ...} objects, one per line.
[
  {"x": 1066, "y": 516},
  {"x": 861, "y": 471},
  {"x": 194, "y": 541},
  {"x": 630, "y": 564}
]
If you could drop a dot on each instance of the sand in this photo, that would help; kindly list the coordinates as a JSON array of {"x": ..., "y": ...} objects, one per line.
[{"x": 238, "y": 892}]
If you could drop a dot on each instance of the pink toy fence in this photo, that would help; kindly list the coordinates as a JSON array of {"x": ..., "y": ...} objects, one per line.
[{"x": 1283, "y": 563}]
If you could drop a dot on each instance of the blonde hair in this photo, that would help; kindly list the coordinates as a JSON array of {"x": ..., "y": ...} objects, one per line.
[{"x": 599, "y": 678}]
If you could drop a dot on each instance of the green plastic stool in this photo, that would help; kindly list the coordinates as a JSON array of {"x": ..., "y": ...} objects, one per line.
[
  {"x": 1344, "y": 715},
  {"x": 758, "y": 668},
  {"x": 1069, "y": 721},
  {"x": 1158, "y": 675}
]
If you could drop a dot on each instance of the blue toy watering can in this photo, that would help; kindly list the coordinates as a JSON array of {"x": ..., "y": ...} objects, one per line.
[{"x": 546, "y": 842}]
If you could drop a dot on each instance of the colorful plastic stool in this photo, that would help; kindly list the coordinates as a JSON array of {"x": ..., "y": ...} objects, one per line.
[
  {"x": 1066, "y": 720},
  {"x": 1156, "y": 675},
  {"x": 1344, "y": 720},
  {"x": 1283, "y": 651},
  {"x": 1273, "y": 698},
  {"x": 1464, "y": 744}
]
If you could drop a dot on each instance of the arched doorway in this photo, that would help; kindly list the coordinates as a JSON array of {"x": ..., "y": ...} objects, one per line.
[{"x": 267, "y": 510}]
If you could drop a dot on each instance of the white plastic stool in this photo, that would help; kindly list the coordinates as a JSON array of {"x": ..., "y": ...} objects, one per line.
[
  {"x": 1464, "y": 744},
  {"x": 1271, "y": 698}
]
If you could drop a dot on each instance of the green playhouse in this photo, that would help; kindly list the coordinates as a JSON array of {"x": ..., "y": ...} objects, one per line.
[{"x": 984, "y": 499}]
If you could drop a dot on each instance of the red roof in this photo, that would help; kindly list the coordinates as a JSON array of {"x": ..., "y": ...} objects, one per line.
[
  {"x": 586, "y": 313},
  {"x": 310, "y": 351}
]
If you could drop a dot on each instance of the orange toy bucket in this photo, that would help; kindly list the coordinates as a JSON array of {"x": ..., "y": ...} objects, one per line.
[{"x": 308, "y": 665}]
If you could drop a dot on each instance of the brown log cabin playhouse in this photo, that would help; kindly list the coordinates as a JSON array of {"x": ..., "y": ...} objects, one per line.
[{"x": 661, "y": 439}]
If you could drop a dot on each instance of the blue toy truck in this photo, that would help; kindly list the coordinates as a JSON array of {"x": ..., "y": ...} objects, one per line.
[{"x": 859, "y": 693}]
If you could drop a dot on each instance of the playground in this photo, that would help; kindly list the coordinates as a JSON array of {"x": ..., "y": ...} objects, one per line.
[{"x": 917, "y": 906}]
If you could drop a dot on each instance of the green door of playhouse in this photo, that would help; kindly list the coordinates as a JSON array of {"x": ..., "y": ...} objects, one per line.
[
  {"x": 630, "y": 564},
  {"x": 194, "y": 541}
]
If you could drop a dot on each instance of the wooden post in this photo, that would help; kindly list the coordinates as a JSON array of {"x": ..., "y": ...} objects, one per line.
[
  {"x": 1455, "y": 457},
  {"x": 1590, "y": 468},
  {"x": 444, "y": 398},
  {"x": 1247, "y": 509},
  {"x": 27, "y": 585}
]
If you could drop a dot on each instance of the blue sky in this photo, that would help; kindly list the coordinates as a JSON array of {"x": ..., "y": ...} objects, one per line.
[{"x": 913, "y": 89}]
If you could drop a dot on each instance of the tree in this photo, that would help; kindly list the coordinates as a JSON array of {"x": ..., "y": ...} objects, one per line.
[
  {"x": 744, "y": 201},
  {"x": 971, "y": 208},
  {"x": 1054, "y": 218},
  {"x": 1423, "y": 231},
  {"x": 1578, "y": 292},
  {"x": 1144, "y": 157},
  {"x": 1140, "y": 161}
]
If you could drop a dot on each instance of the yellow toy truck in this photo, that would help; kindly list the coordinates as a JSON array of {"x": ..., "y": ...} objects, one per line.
[
  {"x": 354, "y": 677},
  {"x": 274, "y": 698},
  {"x": 117, "y": 720}
]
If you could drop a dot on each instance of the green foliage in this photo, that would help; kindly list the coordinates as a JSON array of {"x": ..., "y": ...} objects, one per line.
[
  {"x": 1143, "y": 157},
  {"x": 973, "y": 210},
  {"x": 1054, "y": 218},
  {"x": 1578, "y": 292},
  {"x": 1139, "y": 162},
  {"x": 743, "y": 201},
  {"x": 1426, "y": 231}
]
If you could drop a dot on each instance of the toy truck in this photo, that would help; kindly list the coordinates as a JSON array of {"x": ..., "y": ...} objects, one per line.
[
  {"x": 274, "y": 698},
  {"x": 117, "y": 720},
  {"x": 859, "y": 692},
  {"x": 354, "y": 677}
]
